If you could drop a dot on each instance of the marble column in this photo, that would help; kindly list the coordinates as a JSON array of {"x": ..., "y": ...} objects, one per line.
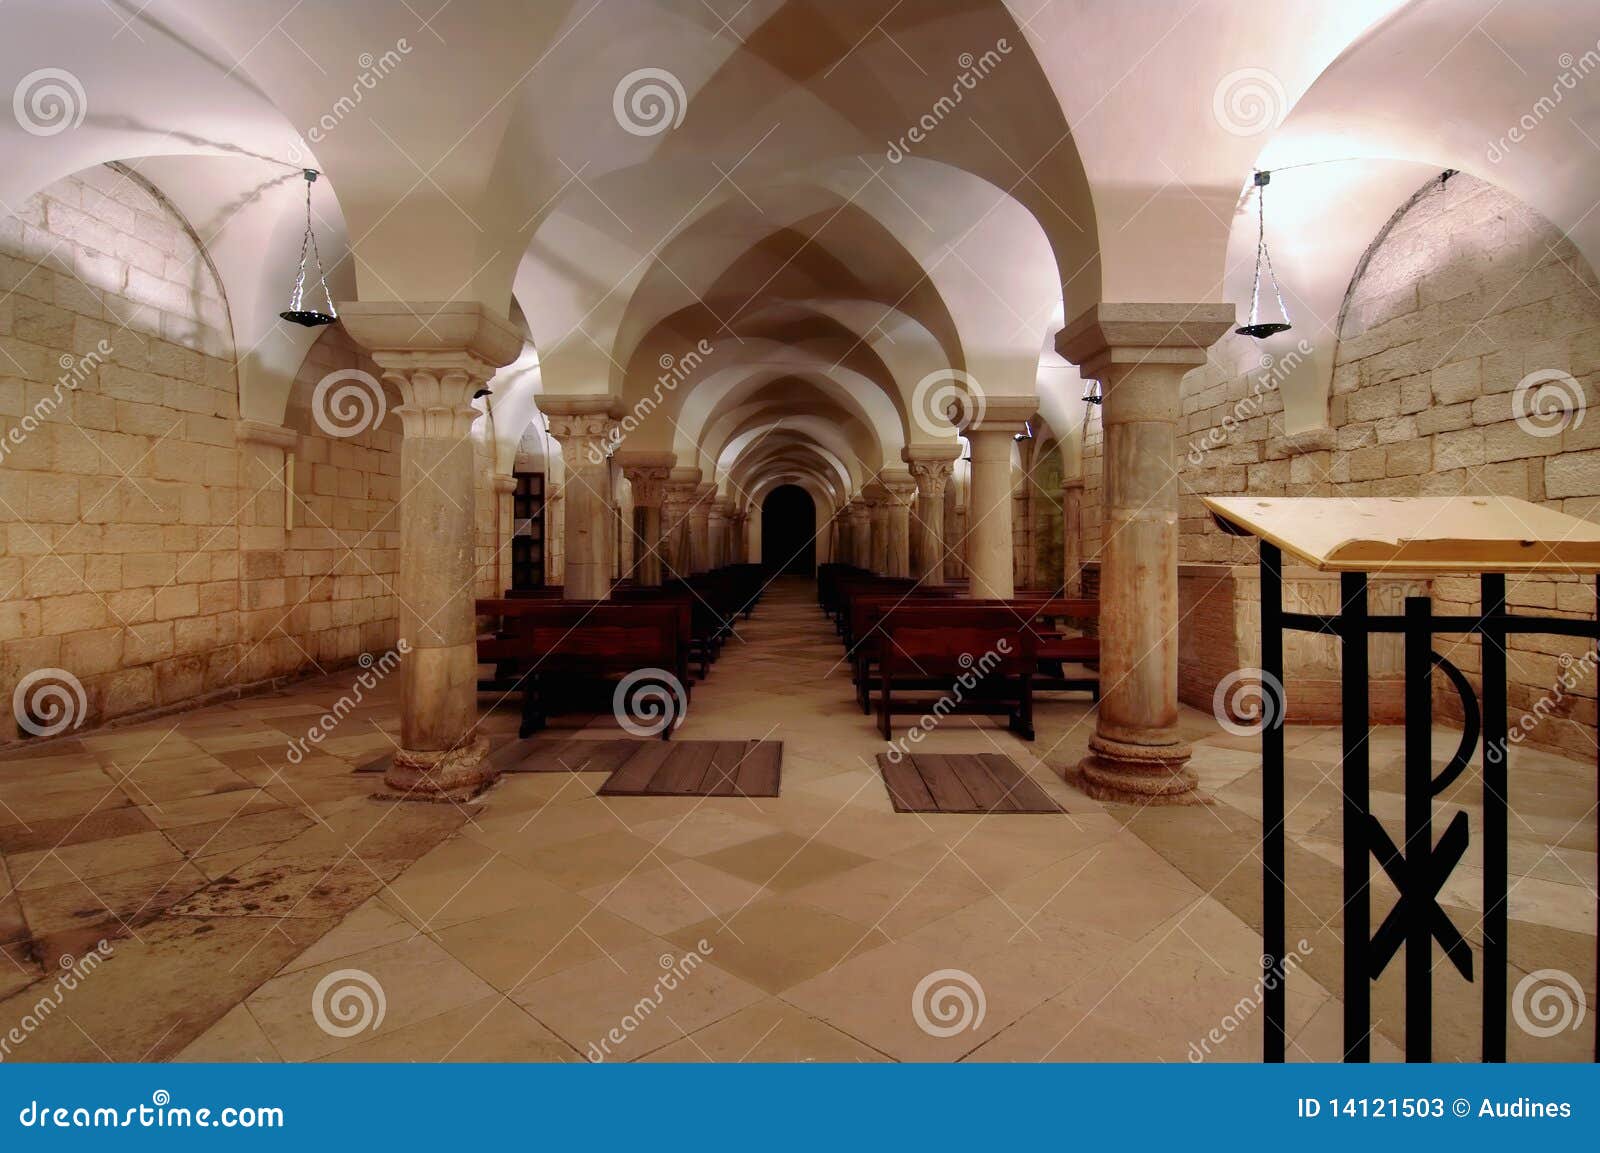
[
  {"x": 1140, "y": 353},
  {"x": 583, "y": 426},
  {"x": 436, "y": 364},
  {"x": 647, "y": 474},
  {"x": 989, "y": 541},
  {"x": 1072, "y": 535},
  {"x": 900, "y": 493},
  {"x": 930, "y": 468},
  {"x": 700, "y": 528},
  {"x": 676, "y": 559}
]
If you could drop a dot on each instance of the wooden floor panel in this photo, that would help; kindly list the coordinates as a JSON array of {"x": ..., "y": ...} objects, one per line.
[{"x": 962, "y": 783}]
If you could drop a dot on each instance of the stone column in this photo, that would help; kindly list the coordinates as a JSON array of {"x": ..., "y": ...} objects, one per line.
[
  {"x": 676, "y": 559},
  {"x": 700, "y": 528},
  {"x": 738, "y": 527},
  {"x": 989, "y": 542},
  {"x": 931, "y": 469},
  {"x": 900, "y": 493},
  {"x": 1072, "y": 535},
  {"x": 859, "y": 516},
  {"x": 583, "y": 426},
  {"x": 647, "y": 474},
  {"x": 876, "y": 498},
  {"x": 955, "y": 549},
  {"x": 717, "y": 533},
  {"x": 437, "y": 356},
  {"x": 1140, "y": 353}
]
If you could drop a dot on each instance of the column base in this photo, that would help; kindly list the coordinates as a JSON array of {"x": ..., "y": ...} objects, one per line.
[
  {"x": 1139, "y": 774},
  {"x": 440, "y": 775}
]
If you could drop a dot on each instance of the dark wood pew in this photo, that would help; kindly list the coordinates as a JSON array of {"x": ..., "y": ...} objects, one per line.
[
  {"x": 1039, "y": 610},
  {"x": 981, "y": 658},
  {"x": 539, "y": 641}
]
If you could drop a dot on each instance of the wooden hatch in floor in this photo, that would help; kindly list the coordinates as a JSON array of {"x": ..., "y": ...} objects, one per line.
[{"x": 962, "y": 783}]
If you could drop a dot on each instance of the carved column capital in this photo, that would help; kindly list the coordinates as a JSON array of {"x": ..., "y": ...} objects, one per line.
[{"x": 436, "y": 388}]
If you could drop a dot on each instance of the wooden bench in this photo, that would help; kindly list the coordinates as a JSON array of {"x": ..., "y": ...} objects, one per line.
[
  {"x": 982, "y": 657},
  {"x": 538, "y": 639},
  {"x": 1039, "y": 609}
]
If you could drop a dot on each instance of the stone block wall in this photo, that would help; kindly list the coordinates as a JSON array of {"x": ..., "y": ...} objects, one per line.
[
  {"x": 118, "y": 485},
  {"x": 147, "y": 547},
  {"x": 1467, "y": 294}
]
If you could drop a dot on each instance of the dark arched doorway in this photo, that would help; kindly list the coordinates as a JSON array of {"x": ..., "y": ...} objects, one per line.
[{"x": 789, "y": 530}]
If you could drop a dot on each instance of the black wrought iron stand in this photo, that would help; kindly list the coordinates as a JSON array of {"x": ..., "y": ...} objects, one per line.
[{"x": 1420, "y": 865}]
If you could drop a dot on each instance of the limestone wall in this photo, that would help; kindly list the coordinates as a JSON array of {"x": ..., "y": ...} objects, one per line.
[
  {"x": 1468, "y": 293},
  {"x": 146, "y": 545}
]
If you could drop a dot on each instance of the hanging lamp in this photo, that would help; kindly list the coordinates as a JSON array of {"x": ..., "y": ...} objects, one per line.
[
  {"x": 1257, "y": 327},
  {"x": 1091, "y": 392},
  {"x": 297, "y": 312}
]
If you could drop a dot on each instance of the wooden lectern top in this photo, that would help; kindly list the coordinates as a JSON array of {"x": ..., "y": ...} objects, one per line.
[{"x": 1420, "y": 534}]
